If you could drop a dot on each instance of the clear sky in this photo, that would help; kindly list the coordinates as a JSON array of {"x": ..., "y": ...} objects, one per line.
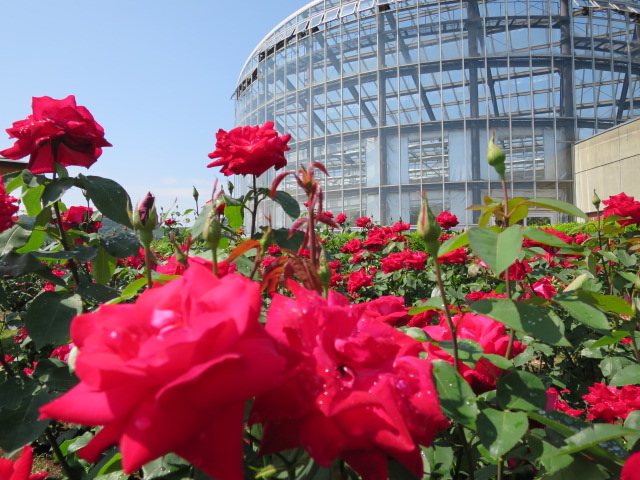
[{"x": 158, "y": 75}]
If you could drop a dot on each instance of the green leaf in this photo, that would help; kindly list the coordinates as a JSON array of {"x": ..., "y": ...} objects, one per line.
[
  {"x": 294, "y": 242},
  {"x": 31, "y": 200},
  {"x": 540, "y": 236},
  {"x": 81, "y": 253},
  {"x": 96, "y": 293},
  {"x": 577, "y": 282},
  {"x": 610, "y": 303},
  {"x": 198, "y": 226},
  {"x": 537, "y": 321},
  {"x": 55, "y": 375},
  {"x": 558, "y": 206},
  {"x": 131, "y": 290},
  {"x": 109, "y": 197},
  {"x": 609, "y": 340},
  {"x": 36, "y": 240},
  {"x": 121, "y": 245},
  {"x": 21, "y": 426},
  {"x": 469, "y": 351},
  {"x": 498, "y": 360},
  {"x": 235, "y": 216},
  {"x": 49, "y": 316},
  {"x": 593, "y": 435},
  {"x": 457, "y": 400},
  {"x": 54, "y": 190},
  {"x": 289, "y": 204},
  {"x": 520, "y": 390},
  {"x": 498, "y": 250},
  {"x": 13, "y": 239},
  {"x": 453, "y": 243},
  {"x": 627, "y": 376},
  {"x": 583, "y": 312},
  {"x": 611, "y": 365},
  {"x": 500, "y": 431},
  {"x": 103, "y": 266}
]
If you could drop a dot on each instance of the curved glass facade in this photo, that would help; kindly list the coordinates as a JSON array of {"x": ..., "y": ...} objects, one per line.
[{"x": 400, "y": 97}]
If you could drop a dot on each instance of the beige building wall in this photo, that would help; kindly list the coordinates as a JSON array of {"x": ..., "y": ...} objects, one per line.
[{"x": 608, "y": 162}]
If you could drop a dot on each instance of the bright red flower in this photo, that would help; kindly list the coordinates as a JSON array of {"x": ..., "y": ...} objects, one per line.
[
  {"x": 459, "y": 255},
  {"x": 274, "y": 250},
  {"x": 544, "y": 287},
  {"x": 358, "y": 280},
  {"x": 401, "y": 227},
  {"x": 57, "y": 131},
  {"x": 79, "y": 218},
  {"x": 447, "y": 220},
  {"x": 622, "y": 206},
  {"x": 249, "y": 150},
  {"x": 364, "y": 222},
  {"x": 62, "y": 353},
  {"x": 388, "y": 309},
  {"x": 8, "y": 209},
  {"x": 21, "y": 468},
  {"x": 554, "y": 403},
  {"x": 488, "y": 333},
  {"x": 631, "y": 467},
  {"x": 406, "y": 258},
  {"x": 610, "y": 403},
  {"x": 355, "y": 388},
  {"x": 175, "y": 267},
  {"x": 341, "y": 218},
  {"x": 352, "y": 246},
  {"x": 172, "y": 372}
]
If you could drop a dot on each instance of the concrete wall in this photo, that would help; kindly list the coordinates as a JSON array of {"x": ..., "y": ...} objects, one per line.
[{"x": 608, "y": 162}]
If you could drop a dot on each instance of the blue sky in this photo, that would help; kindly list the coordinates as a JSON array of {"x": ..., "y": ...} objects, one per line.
[{"x": 157, "y": 75}]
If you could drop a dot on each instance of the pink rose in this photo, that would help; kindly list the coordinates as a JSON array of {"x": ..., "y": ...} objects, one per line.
[
  {"x": 355, "y": 387},
  {"x": 172, "y": 372},
  {"x": 57, "y": 131},
  {"x": 249, "y": 150}
]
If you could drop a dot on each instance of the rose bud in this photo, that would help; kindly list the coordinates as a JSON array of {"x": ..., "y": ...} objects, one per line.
[
  {"x": 429, "y": 229},
  {"x": 495, "y": 156},
  {"x": 145, "y": 219},
  {"x": 595, "y": 200}
]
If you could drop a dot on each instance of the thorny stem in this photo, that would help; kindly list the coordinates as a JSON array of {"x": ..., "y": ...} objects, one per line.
[
  {"x": 147, "y": 265},
  {"x": 58, "y": 453},
  {"x": 447, "y": 314},
  {"x": 65, "y": 244}
]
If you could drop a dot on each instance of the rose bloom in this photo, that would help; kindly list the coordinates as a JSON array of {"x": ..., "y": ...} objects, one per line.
[
  {"x": 176, "y": 267},
  {"x": 341, "y": 218},
  {"x": 274, "y": 250},
  {"x": 8, "y": 209},
  {"x": 459, "y": 255},
  {"x": 76, "y": 216},
  {"x": 488, "y": 333},
  {"x": 249, "y": 150},
  {"x": 358, "y": 280},
  {"x": 631, "y": 467},
  {"x": 447, "y": 220},
  {"x": 62, "y": 353},
  {"x": 544, "y": 287},
  {"x": 610, "y": 403},
  {"x": 355, "y": 387},
  {"x": 172, "y": 372},
  {"x": 352, "y": 246},
  {"x": 554, "y": 403},
  {"x": 388, "y": 309},
  {"x": 364, "y": 222},
  {"x": 623, "y": 206},
  {"x": 21, "y": 468},
  {"x": 57, "y": 131}
]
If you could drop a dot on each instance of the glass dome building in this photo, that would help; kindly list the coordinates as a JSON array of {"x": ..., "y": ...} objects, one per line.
[{"x": 400, "y": 97}]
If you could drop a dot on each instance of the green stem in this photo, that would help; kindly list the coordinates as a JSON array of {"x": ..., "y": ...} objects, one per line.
[
  {"x": 58, "y": 454},
  {"x": 447, "y": 314},
  {"x": 507, "y": 280},
  {"x": 147, "y": 265},
  {"x": 254, "y": 213},
  {"x": 65, "y": 244},
  {"x": 500, "y": 469}
]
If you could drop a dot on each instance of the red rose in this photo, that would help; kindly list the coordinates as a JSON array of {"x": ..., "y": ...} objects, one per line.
[
  {"x": 8, "y": 209},
  {"x": 622, "y": 206},
  {"x": 249, "y": 150},
  {"x": 62, "y": 353},
  {"x": 544, "y": 287},
  {"x": 459, "y": 255},
  {"x": 364, "y": 222},
  {"x": 610, "y": 403},
  {"x": 488, "y": 333},
  {"x": 358, "y": 280},
  {"x": 341, "y": 218},
  {"x": 554, "y": 403},
  {"x": 175, "y": 267},
  {"x": 631, "y": 467},
  {"x": 57, "y": 131},
  {"x": 355, "y": 388},
  {"x": 21, "y": 468},
  {"x": 352, "y": 246},
  {"x": 274, "y": 250},
  {"x": 172, "y": 372},
  {"x": 388, "y": 309},
  {"x": 447, "y": 220}
]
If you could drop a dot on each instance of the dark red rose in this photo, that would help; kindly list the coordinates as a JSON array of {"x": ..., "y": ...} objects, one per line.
[
  {"x": 249, "y": 150},
  {"x": 341, "y": 218},
  {"x": 151, "y": 372},
  {"x": 610, "y": 403},
  {"x": 447, "y": 220},
  {"x": 355, "y": 387},
  {"x": 352, "y": 246},
  {"x": 364, "y": 222},
  {"x": 622, "y": 206},
  {"x": 8, "y": 209},
  {"x": 57, "y": 131}
]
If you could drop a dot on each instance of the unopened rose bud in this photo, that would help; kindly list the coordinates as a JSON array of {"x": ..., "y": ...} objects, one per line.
[
  {"x": 195, "y": 194},
  {"x": 212, "y": 231},
  {"x": 495, "y": 156},
  {"x": 596, "y": 200},
  {"x": 324, "y": 270},
  {"x": 145, "y": 219},
  {"x": 429, "y": 229},
  {"x": 473, "y": 271}
]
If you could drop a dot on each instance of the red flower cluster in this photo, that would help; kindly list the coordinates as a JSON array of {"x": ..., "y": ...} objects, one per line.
[
  {"x": 21, "y": 468},
  {"x": 151, "y": 372},
  {"x": 8, "y": 209},
  {"x": 488, "y": 333},
  {"x": 610, "y": 403},
  {"x": 355, "y": 387},
  {"x": 57, "y": 131},
  {"x": 447, "y": 220},
  {"x": 623, "y": 206},
  {"x": 249, "y": 150},
  {"x": 406, "y": 258},
  {"x": 379, "y": 237},
  {"x": 79, "y": 218}
]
